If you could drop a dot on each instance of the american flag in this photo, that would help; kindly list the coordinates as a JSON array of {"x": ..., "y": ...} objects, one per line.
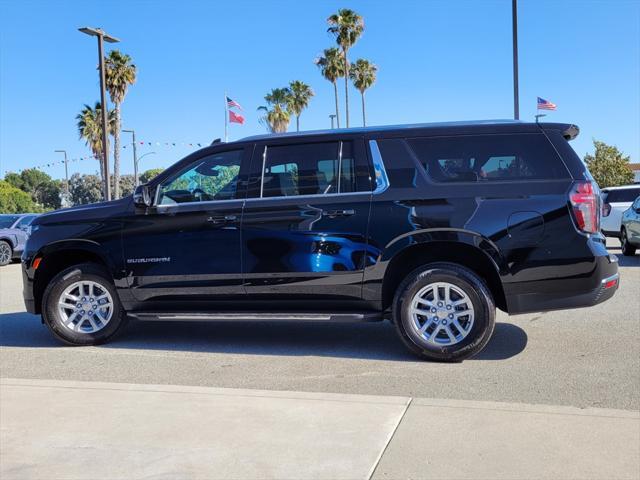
[
  {"x": 233, "y": 103},
  {"x": 545, "y": 104}
]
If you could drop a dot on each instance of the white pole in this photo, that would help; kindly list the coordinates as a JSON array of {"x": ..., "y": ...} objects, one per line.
[{"x": 226, "y": 119}]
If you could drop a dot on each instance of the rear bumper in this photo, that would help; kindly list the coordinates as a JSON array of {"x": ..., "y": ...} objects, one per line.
[{"x": 608, "y": 281}]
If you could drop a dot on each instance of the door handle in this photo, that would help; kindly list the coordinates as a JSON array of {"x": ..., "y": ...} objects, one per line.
[
  {"x": 338, "y": 213},
  {"x": 221, "y": 220}
]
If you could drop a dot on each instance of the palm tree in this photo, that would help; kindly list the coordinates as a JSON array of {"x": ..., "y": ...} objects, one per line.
[
  {"x": 363, "y": 75},
  {"x": 299, "y": 96},
  {"x": 277, "y": 110},
  {"x": 90, "y": 129},
  {"x": 119, "y": 74},
  {"x": 347, "y": 26},
  {"x": 332, "y": 68}
]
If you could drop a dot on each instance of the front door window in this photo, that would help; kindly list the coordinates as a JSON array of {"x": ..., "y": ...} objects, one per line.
[{"x": 214, "y": 177}]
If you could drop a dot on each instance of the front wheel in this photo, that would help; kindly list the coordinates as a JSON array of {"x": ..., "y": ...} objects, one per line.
[
  {"x": 628, "y": 250},
  {"x": 6, "y": 253},
  {"x": 81, "y": 306},
  {"x": 444, "y": 312}
]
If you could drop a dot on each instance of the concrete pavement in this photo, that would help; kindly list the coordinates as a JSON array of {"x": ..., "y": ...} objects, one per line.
[
  {"x": 76, "y": 430},
  {"x": 585, "y": 358}
]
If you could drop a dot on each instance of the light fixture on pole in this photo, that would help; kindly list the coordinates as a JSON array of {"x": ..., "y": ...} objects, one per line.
[
  {"x": 135, "y": 155},
  {"x": 103, "y": 37}
]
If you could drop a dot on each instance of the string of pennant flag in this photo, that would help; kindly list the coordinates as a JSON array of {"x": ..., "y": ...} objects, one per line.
[{"x": 127, "y": 145}]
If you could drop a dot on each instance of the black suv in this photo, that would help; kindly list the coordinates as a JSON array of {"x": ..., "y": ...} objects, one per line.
[{"x": 432, "y": 226}]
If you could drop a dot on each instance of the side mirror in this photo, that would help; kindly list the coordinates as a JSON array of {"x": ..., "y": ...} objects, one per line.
[{"x": 142, "y": 196}]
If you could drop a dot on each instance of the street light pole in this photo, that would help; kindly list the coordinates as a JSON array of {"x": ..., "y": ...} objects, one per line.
[
  {"x": 514, "y": 21},
  {"x": 66, "y": 170},
  {"x": 135, "y": 156},
  {"x": 66, "y": 173},
  {"x": 102, "y": 37}
]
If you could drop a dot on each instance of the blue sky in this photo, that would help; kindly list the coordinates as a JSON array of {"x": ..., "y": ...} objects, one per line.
[{"x": 438, "y": 61}]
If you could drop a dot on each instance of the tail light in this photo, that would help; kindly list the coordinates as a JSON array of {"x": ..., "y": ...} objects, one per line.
[
  {"x": 606, "y": 209},
  {"x": 584, "y": 200}
]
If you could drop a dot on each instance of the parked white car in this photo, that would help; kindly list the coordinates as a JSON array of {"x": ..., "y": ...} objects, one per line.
[{"x": 616, "y": 200}]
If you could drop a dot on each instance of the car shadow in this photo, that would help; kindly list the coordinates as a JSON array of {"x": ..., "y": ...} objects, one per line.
[{"x": 377, "y": 341}]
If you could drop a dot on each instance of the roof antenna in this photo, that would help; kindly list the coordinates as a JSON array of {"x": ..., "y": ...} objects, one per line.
[
  {"x": 540, "y": 115},
  {"x": 217, "y": 140}
]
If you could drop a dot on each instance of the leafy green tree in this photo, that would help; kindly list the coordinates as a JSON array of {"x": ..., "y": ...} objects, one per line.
[
  {"x": 89, "y": 122},
  {"x": 346, "y": 26},
  {"x": 277, "y": 115},
  {"x": 42, "y": 189},
  {"x": 149, "y": 174},
  {"x": 120, "y": 72},
  {"x": 85, "y": 189},
  {"x": 299, "y": 96},
  {"x": 127, "y": 184},
  {"x": 608, "y": 165},
  {"x": 332, "y": 68},
  {"x": 14, "y": 200},
  {"x": 363, "y": 76}
]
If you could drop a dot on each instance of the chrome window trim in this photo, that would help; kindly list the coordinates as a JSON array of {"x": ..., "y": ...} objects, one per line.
[
  {"x": 264, "y": 163},
  {"x": 340, "y": 165},
  {"x": 317, "y": 195},
  {"x": 382, "y": 180}
]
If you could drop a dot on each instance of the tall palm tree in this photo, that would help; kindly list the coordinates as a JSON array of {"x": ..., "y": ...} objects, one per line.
[
  {"x": 346, "y": 26},
  {"x": 332, "y": 68},
  {"x": 299, "y": 96},
  {"x": 89, "y": 122},
  {"x": 363, "y": 75},
  {"x": 277, "y": 115},
  {"x": 119, "y": 74}
]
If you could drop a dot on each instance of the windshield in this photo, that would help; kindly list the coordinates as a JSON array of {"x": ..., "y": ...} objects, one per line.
[{"x": 7, "y": 220}]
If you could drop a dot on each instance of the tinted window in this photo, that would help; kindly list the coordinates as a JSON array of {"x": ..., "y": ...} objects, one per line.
[
  {"x": 622, "y": 195},
  {"x": 25, "y": 221},
  {"x": 214, "y": 177},
  {"x": 309, "y": 169},
  {"x": 401, "y": 168},
  {"x": 488, "y": 158},
  {"x": 7, "y": 220}
]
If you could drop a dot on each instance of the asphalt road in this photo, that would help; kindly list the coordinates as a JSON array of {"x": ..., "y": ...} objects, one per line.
[{"x": 585, "y": 358}]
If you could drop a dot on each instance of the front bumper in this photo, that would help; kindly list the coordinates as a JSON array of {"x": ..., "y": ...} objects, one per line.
[{"x": 608, "y": 282}]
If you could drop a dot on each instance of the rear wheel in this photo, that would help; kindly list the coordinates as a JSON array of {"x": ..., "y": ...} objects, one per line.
[
  {"x": 81, "y": 306},
  {"x": 6, "y": 253},
  {"x": 444, "y": 312},
  {"x": 627, "y": 248}
]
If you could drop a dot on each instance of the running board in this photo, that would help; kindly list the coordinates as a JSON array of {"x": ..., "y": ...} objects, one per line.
[{"x": 256, "y": 317}]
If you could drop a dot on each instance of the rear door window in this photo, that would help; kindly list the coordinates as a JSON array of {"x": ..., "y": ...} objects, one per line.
[
  {"x": 488, "y": 158},
  {"x": 321, "y": 168}
]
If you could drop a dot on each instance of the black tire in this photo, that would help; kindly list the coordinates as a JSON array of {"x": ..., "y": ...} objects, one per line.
[
  {"x": 463, "y": 279},
  {"x": 53, "y": 320},
  {"x": 628, "y": 250},
  {"x": 6, "y": 253}
]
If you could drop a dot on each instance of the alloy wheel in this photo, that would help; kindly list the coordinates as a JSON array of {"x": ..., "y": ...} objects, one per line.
[
  {"x": 442, "y": 314},
  {"x": 85, "y": 307},
  {"x": 5, "y": 253}
]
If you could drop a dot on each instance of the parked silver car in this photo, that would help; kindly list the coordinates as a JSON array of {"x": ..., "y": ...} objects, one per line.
[
  {"x": 630, "y": 229},
  {"x": 14, "y": 231}
]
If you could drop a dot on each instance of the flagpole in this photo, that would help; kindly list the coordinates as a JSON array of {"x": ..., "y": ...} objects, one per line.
[{"x": 226, "y": 118}]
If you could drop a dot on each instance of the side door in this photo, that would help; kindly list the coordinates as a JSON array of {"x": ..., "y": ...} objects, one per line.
[
  {"x": 186, "y": 247},
  {"x": 304, "y": 227}
]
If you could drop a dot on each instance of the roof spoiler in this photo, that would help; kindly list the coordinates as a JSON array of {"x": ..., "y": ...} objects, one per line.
[{"x": 568, "y": 130}]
